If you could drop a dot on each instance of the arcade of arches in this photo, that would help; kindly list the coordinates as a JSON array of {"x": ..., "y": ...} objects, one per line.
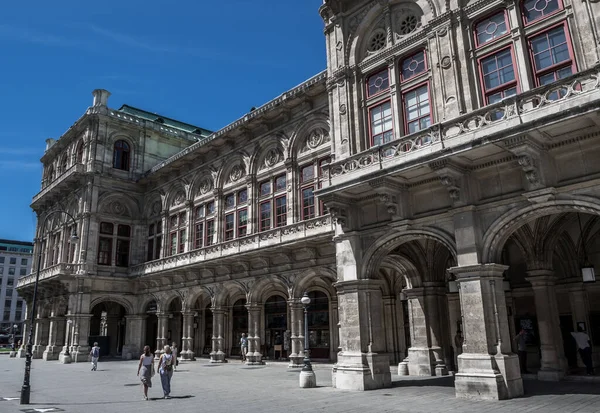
[{"x": 406, "y": 313}]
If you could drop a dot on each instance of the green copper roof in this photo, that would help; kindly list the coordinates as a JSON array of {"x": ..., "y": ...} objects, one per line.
[{"x": 171, "y": 123}]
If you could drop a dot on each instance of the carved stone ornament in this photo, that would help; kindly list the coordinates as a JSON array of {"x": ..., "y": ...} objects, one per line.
[
  {"x": 236, "y": 173},
  {"x": 342, "y": 109},
  {"x": 316, "y": 138},
  {"x": 205, "y": 186},
  {"x": 179, "y": 199},
  {"x": 118, "y": 208},
  {"x": 156, "y": 208},
  {"x": 446, "y": 62},
  {"x": 273, "y": 157}
]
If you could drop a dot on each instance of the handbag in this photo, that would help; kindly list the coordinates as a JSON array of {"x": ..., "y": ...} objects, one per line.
[{"x": 152, "y": 371}]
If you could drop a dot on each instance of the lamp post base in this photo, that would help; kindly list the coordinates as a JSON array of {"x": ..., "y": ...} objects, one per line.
[
  {"x": 308, "y": 379},
  {"x": 25, "y": 391}
]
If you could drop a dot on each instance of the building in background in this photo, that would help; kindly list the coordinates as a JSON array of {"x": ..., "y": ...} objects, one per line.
[
  {"x": 15, "y": 262},
  {"x": 435, "y": 191}
]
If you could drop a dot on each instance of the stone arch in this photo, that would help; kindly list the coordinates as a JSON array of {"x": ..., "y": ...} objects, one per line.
[
  {"x": 267, "y": 287},
  {"x": 152, "y": 205},
  {"x": 125, "y": 303},
  {"x": 504, "y": 226},
  {"x": 175, "y": 196},
  {"x": 202, "y": 183},
  {"x": 361, "y": 24},
  {"x": 405, "y": 267},
  {"x": 313, "y": 123},
  {"x": 194, "y": 296},
  {"x": 269, "y": 154},
  {"x": 146, "y": 300},
  {"x": 387, "y": 243},
  {"x": 323, "y": 278},
  {"x": 119, "y": 204},
  {"x": 234, "y": 170}
]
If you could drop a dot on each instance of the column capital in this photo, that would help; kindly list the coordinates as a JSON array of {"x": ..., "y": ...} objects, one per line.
[
  {"x": 345, "y": 287},
  {"x": 541, "y": 277},
  {"x": 478, "y": 271}
]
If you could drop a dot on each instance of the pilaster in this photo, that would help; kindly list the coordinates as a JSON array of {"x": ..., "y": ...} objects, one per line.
[
  {"x": 297, "y": 352},
  {"x": 161, "y": 336},
  {"x": 361, "y": 365},
  {"x": 554, "y": 363},
  {"x": 217, "y": 354},
  {"x": 254, "y": 356},
  {"x": 487, "y": 368},
  {"x": 52, "y": 350},
  {"x": 81, "y": 332},
  {"x": 187, "y": 339}
]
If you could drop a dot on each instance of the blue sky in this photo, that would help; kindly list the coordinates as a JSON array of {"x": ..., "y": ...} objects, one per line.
[{"x": 206, "y": 63}]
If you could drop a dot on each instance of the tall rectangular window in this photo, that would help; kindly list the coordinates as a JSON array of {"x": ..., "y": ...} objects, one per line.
[
  {"x": 210, "y": 232},
  {"x": 552, "y": 56},
  {"x": 272, "y": 196},
  {"x": 498, "y": 74},
  {"x": 265, "y": 215},
  {"x": 154, "y": 240},
  {"x": 229, "y": 227},
  {"x": 104, "y": 251},
  {"x": 122, "y": 253},
  {"x": 417, "y": 110},
  {"x": 242, "y": 222},
  {"x": 280, "y": 211},
  {"x": 381, "y": 122},
  {"x": 310, "y": 179},
  {"x": 203, "y": 213},
  {"x": 308, "y": 203},
  {"x": 178, "y": 232}
]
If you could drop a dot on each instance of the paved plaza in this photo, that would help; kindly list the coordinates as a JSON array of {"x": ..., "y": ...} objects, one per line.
[{"x": 203, "y": 387}]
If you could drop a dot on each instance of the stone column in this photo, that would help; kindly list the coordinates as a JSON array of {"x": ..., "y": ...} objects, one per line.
[
  {"x": 161, "y": 335},
  {"x": 425, "y": 356},
  {"x": 580, "y": 310},
  {"x": 187, "y": 339},
  {"x": 52, "y": 350},
  {"x": 81, "y": 333},
  {"x": 217, "y": 355},
  {"x": 133, "y": 342},
  {"x": 359, "y": 365},
  {"x": 487, "y": 368},
  {"x": 41, "y": 337},
  {"x": 334, "y": 328},
  {"x": 296, "y": 329},
  {"x": 391, "y": 326},
  {"x": 254, "y": 354},
  {"x": 64, "y": 356},
  {"x": 554, "y": 363},
  {"x": 455, "y": 320}
]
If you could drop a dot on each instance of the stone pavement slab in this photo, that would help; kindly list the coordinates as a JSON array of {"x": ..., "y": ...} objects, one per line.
[{"x": 203, "y": 387}]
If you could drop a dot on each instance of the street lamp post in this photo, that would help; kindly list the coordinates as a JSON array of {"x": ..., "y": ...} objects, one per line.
[
  {"x": 14, "y": 345},
  {"x": 26, "y": 388},
  {"x": 307, "y": 375},
  {"x": 67, "y": 356}
]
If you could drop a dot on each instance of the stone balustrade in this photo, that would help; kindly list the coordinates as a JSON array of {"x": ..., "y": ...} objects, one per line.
[
  {"x": 66, "y": 176},
  {"x": 49, "y": 272},
  {"x": 512, "y": 114},
  {"x": 278, "y": 236}
]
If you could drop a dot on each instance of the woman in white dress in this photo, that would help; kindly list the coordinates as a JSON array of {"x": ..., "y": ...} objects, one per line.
[{"x": 146, "y": 367}]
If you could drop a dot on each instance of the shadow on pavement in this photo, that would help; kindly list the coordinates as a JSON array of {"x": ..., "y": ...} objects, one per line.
[
  {"x": 445, "y": 381},
  {"x": 541, "y": 388}
]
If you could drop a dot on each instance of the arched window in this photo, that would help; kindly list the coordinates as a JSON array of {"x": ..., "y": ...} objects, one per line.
[
  {"x": 79, "y": 155},
  {"x": 64, "y": 162},
  {"x": 121, "y": 155}
]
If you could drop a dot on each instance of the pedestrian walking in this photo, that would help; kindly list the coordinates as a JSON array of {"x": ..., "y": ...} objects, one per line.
[
  {"x": 146, "y": 367},
  {"x": 244, "y": 346},
  {"x": 165, "y": 369},
  {"x": 175, "y": 352},
  {"x": 521, "y": 340},
  {"x": 584, "y": 346},
  {"x": 95, "y": 353}
]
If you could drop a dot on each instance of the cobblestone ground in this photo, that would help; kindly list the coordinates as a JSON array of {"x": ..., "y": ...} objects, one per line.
[{"x": 203, "y": 387}]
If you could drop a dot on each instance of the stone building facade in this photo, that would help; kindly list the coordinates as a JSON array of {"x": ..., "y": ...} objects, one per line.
[{"x": 435, "y": 191}]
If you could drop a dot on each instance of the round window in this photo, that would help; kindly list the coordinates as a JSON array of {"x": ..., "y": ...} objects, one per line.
[
  {"x": 377, "y": 42},
  {"x": 408, "y": 24}
]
